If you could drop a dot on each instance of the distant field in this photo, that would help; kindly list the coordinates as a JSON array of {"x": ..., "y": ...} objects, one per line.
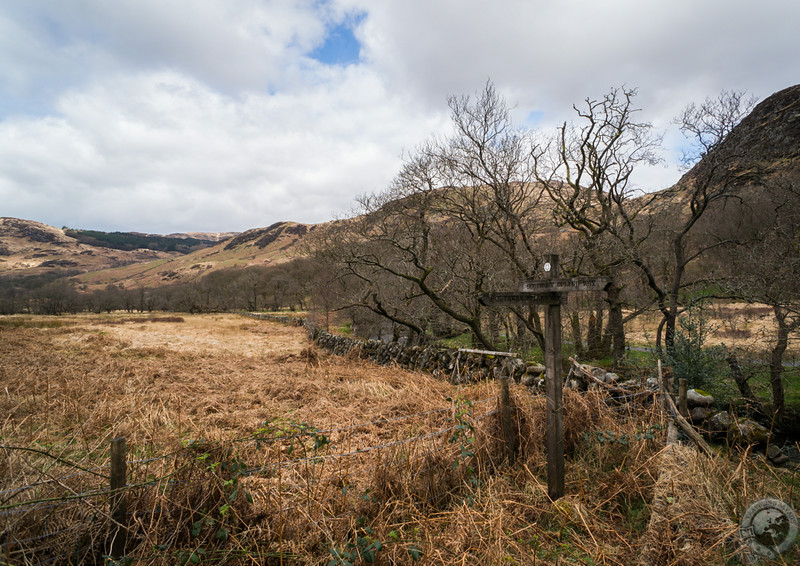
[
  {"x": 209, "y": 376},
  {"x": 249, "y": 445},
  {"x": 737, "y": 325}
]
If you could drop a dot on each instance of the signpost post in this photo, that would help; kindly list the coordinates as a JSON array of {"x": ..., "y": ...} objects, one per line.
[{"x": 550, "y": 292}]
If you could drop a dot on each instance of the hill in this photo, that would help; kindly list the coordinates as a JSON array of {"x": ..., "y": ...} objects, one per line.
[
  {"x": 268, "y": 246},
  {"x": 769, "y": 136},
  {"x": 30, "y": 248},
  {"x": 129, "y": 241},
  {"x": 765, "y": 142}
]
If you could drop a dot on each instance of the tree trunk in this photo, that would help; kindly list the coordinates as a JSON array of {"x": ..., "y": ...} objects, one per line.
[
  {"x": 598, "y": 344},
  {"x": 523, "y": 341},
  {"x": 670, "y": 325},
  {"x": 592, "y": 336},
  {"x": 575, "y": 324},
  {"x": 659, "y": 338},
  {"x": 494, "y": 326},
  {"x": 776, "y": 361},
  {"x": 742, "y": 381},
  {"x": 616, "y": 329},
  {"x": 537, "y": 327}
]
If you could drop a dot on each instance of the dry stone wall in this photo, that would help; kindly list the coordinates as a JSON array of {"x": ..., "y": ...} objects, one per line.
[{"x": 448, "y": 363}]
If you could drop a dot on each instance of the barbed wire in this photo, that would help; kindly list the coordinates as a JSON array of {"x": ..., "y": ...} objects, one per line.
[
  {"x": 199, "y": 443},
  {"x": 54, "y": 457},
  {"x": 27, "y": 506},
  {"x": 362, "y": 450},
  {"x": 44, "y": 536}
]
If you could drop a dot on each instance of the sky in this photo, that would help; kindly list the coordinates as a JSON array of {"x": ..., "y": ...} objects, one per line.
[{"x": 167, "y": 116}]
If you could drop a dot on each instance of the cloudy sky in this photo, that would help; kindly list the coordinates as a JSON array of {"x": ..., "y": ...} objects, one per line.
[{"x": 223, "y": 115}]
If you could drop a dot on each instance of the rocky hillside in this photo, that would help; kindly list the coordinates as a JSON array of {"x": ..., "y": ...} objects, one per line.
[
  {"x": 272, "y": 245},
  {"x": 772, "y": 129},
  {"x": 768, "y": 139},
  {"x": 32, "y": 248}
]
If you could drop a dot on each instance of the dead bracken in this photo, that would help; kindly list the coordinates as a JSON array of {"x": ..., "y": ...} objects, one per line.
[{"x": 247, "y": 443}]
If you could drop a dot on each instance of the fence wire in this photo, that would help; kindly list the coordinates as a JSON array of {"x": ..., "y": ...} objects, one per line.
[{"x": 39, "y": 518}]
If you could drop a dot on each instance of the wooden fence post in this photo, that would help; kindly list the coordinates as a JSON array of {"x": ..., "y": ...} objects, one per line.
[
  {"x": 683, "y": 405},
  {"x": 551, "y": 291},
  {"x": 662, "y": 387},
  {"x": 553, "y": 385},
  {"x": 505, "y": 418},
  {"x": 119, "y": 509}
]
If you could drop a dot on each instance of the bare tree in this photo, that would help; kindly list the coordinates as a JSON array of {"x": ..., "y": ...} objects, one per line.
[
  {"x": 706, "y": 125},
  {"x": 586, "y": 170},
  {"x": 459, "y": 219},
  {"x": 721, "y": 170},
  {"x": 765, "y": 268}
]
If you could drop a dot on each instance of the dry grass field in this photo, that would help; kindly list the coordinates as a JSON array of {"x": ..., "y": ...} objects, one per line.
[
  {"x": 247, "y": 445},
  {"x": 737, "y": 325}
]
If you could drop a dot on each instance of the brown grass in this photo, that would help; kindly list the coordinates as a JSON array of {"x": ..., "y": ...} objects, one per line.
[
  {"x": 737, "y": 325},
  {"x": 278, "y": 453}
]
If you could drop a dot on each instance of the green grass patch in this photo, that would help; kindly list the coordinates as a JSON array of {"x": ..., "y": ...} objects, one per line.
[
  {"x": 792, "y": 384},
  {"x": 345, "y": 329},
  {"x": 460, "y": 341}
]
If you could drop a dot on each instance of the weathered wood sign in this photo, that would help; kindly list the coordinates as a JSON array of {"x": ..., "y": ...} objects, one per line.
[
  {"x": 550, "y": 292},
  {"x": 565, "y": 285},
  {"x": 510, "y": 299}
]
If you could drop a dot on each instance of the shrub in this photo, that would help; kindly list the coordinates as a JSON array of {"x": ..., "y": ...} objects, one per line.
[{"x": 703, "y": 367}]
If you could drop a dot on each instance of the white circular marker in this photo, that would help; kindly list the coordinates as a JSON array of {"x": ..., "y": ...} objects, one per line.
[
  {"x": 769, "y": 527},
  {"x": 547, "y": 267}
]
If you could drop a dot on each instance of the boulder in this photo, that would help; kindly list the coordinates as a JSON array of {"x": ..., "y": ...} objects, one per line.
[
  {"x": 748, "y": 431},
  {"x": 720, "y": 422},
  {"x": 535, "y": 369},
  {"x": 698, "y": 414},
  {"x": 698, "y": 398},
  {"x": 533, "y": 381},
  {"x": 630, "y": 384},
  {"x": 741, "y": 430},
  {"x": 514, "y": 368},
  {"x": 776, "y": 455}
]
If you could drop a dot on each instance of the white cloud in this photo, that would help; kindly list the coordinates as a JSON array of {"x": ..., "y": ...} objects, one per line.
[
  {"x": 162, "y": 152},
  {"x": 166, "y": 115}
]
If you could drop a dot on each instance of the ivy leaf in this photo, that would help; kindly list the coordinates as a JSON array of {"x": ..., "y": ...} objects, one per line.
[{"x": 415, "y": 552}]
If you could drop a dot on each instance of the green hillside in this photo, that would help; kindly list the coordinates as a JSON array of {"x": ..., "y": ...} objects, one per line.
[{"x": 132, "y": 241}]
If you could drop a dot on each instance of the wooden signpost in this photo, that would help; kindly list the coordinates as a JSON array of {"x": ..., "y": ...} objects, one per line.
[{"x": 550, "y": 292}]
